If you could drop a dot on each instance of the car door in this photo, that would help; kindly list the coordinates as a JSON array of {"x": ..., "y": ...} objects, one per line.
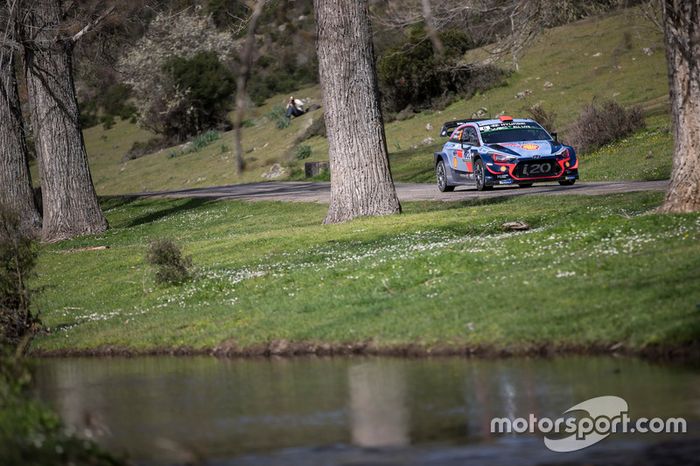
[
  {"x": 470, "y": 145},
  {"x": 454, "y": 151}
]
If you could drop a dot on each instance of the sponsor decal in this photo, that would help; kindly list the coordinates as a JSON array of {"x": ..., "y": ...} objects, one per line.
[{"x": 530, "y": 146}]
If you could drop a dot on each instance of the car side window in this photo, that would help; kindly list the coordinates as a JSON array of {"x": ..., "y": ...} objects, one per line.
[
  {"x": 456, "y": 136},
  {"x": 470, "y": 137}
]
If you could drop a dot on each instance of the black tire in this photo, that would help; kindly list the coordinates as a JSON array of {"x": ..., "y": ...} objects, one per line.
[
  {"x": 480, "y": 176},
  {"x": 567, "y": 182},
  {"x": 525, "y": 185},
  {"x": 441, "y": 176}
]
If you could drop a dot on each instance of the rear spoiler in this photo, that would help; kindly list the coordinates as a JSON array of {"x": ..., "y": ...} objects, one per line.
[{"x": 449, "y": 126}]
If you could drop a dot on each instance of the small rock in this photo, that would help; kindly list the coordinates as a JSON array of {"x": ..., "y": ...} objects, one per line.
[
  {"x": 597, "y": 54},
  {"x": 523, "y": 94},
  {"x": 482, "y": 112},
  {"x": 428, "y": 127},
  {"x": 275, "y": 171},
  {"x": 279, "y": 347},
  {"x": 548, "y": 85},
  {"x": 282, "y": 27},
  {"x": 428, "y": 141},
  {"x": 648, "y": 51},
  {"x": 515, "y": 226}
]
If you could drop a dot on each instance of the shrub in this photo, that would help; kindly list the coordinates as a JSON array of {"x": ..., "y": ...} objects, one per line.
[
  {"x": 303, "y": 152},
  {"x": 279, "y": 116},
  {"x": 17, "y": 260},
  {"x": 414, "y": 75},
  {"x": 200, "y": 92},
  {"x": 171, "y": 267},
  {"x": 538, "y": 113},
  {"x": 602, "y": 124},
  {"x": 139, "y": 149}
]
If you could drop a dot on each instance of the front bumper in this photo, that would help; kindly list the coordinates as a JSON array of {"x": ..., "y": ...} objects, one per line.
[{"x": 506, "y": 174}]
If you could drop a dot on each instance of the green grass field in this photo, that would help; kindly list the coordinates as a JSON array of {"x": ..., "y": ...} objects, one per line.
[
  {"x": 597, "y": 58},
  {"x": 592, "y": 270}
]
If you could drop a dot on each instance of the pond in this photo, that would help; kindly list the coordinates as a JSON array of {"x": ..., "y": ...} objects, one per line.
[{"x": 175, "y": 410}]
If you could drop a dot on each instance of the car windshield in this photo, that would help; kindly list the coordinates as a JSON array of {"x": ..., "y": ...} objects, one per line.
[{"x": 507, "y": 134}]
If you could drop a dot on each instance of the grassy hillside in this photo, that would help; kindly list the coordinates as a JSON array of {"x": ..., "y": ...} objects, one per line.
[
  {"x": 591, "y": 271},
  {"x": 598, "y": 58}
]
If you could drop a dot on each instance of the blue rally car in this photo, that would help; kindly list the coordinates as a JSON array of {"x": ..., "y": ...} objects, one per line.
[{"x": 504, "y": 151}]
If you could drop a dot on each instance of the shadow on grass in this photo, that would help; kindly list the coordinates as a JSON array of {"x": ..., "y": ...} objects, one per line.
[
  {"x": 417, "y": 207},
  {"x": 171, "y": 208}
]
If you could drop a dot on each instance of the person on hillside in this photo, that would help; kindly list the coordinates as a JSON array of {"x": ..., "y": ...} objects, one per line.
[{"x": 295, "y": 107}]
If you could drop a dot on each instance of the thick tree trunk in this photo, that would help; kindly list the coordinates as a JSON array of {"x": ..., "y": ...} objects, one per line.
[
  {"x": 15, "y": 180},
  {"x": 682, "y": 31},
  {"x": 70, "y": 203},
  {"x": 361, "y": 182}
]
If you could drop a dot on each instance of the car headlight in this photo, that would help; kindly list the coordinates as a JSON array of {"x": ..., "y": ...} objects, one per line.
[
  {"x": 503, "y": 158},
  {"x": 563, "y": 154}
]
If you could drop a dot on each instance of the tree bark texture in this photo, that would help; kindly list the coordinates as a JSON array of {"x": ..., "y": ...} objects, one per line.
[
  {"x": 70, "y": 204},
  {"x": 15, "y": 180},
  {"x": 361, "y": 182},
  {"x": 682, "y": 36}
]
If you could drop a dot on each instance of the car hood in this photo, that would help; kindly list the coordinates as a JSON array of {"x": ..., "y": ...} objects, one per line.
[{"x": 526, "y": 148}]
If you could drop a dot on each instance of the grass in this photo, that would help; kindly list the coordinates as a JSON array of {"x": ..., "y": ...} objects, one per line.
[
  {"x": 597, "y": 58},
  {"x": 592, "y": 270}
]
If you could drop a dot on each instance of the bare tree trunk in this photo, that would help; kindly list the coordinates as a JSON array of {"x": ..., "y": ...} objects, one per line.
[
  {"x": 70, "y": 204},
  {"x": 682, "y": 35},
  {"x": 361, "y": 182},
  {"x": 15, "y": 180},
  {"x": 430, "y": 28},
  {"x": 245, "y": 64}
]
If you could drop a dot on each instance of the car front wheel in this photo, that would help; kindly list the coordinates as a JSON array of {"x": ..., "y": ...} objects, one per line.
[
  {"x": 567, "y": 182},
  {"x": 441, "y": 175},
  {"x": 480, "y": 176}
]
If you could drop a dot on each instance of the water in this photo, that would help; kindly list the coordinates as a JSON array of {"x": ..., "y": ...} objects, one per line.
[{"x": 352, "y": 410}]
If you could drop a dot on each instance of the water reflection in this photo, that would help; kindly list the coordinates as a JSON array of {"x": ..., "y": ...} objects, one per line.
[
  {"x": 378, "y": 409},
  {"x": 168, "y": 408}
]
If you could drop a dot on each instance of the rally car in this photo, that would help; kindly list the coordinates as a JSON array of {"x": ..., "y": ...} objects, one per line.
[{"x": 503, "y": 151}]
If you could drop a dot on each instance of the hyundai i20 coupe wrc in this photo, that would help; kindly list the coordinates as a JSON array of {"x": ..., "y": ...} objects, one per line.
[{"x": 503, "y": 151}]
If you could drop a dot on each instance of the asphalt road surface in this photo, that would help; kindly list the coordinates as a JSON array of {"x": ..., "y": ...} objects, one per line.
[{"x": 300, "y": 191}]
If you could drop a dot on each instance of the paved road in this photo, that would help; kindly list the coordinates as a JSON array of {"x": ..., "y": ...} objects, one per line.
[{"x": 300, "y": 191}]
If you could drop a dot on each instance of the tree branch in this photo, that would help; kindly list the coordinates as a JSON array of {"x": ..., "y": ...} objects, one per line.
[{"x": 93, "y": 24}]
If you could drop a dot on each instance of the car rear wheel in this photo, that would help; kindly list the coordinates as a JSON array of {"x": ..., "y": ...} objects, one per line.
[
  {"x": 441, "y": 175},
  {"x": 567, "y": 182},
  {"x": 480, "y": 176}
]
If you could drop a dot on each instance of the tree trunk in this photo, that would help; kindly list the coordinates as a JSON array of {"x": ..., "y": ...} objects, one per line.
[
  {"x": 682, "y": 36},
  {"x": 70, "y": 203},
  {"x": 361, "y": 182},
  {"x": 15, "y": 181},
  {"x": 430, "y": 28},
  {"x": 245, "y": 65}
]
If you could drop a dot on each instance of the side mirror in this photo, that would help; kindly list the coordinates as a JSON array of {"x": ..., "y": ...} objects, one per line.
[{"x": 555, "y": 135}]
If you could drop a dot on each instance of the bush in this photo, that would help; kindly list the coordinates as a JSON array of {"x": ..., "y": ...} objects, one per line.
[
  {"x": 602, "y": 124},
  {"x": 139, "y": 149},
  {"x": 303, "y": 152},
  {"x": 201, "y": 91},
  {"x": 542, "y": 116},
  {"x": 414, "y": 75},
  {"x": 171, "y": 266},
  {"x": 17, "y": 260},
  {"x": 279, "y": 116}
]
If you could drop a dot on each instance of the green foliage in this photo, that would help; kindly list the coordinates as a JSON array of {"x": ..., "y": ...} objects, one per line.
[
  {"x": 107, "y": 106},
  {"x": 303, "y": 152},
  {"x": 600, "y": 124},
  {"x": 225, "y": 12},
  {"x": 279, "y": 116},
  {"x": 202, "y": 88},
  {"x": 197, "y": 144},
  {"x": 414, "y": 75},
  {"x": 141, "y": 148},
  {"x": 18, "y": 256},
  {"x": 171, "y": 267},
  {"x": 30, "y": 434}
]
